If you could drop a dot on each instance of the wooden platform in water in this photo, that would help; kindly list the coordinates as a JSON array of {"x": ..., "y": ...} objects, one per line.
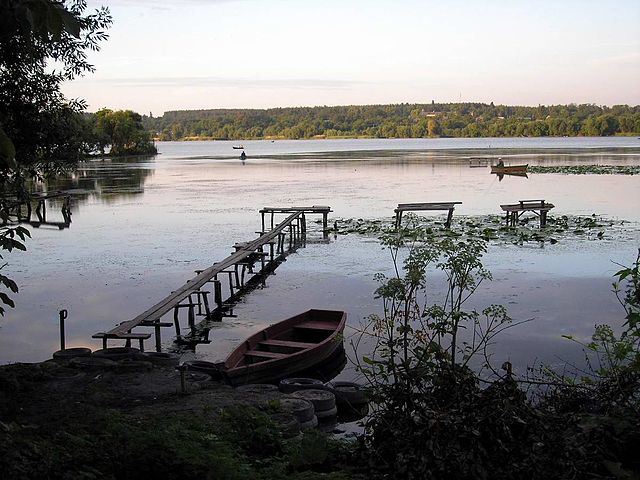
[
  {"x": 515, "y": 210},
  {"x": 414, "y": 207}
]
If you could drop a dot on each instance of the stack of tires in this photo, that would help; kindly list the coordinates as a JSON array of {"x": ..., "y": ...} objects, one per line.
[
  {"x": 302, "y": 410},
  {"x": 324, "y": 404},
  {"x": 351, "y": 398}
]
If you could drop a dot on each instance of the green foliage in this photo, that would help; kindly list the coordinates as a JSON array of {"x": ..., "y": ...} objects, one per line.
[
  {"x": 434, "y": 419},
  {"x": 122, "y": 130},
  {"x": 112, "y": 445},
  {"x": 587, "y": 169},
  {"x": 40, "y": 127},
  {"x": 9, "y": 242},
  {"x": 398, "y": 121},
  {"x": 491, "y": 228}
]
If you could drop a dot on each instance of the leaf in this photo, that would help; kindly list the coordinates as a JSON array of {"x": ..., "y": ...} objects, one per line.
[
  {"x": 6, "y": 300},
  {"x": 10, "y": 284}
]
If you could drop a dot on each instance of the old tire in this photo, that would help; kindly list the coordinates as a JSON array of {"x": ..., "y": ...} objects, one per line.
[
  {"x": 290, "y": 385},
  {"x": 308, "y": 425},
  {"x": 92, "y": 363},
  {"x": 321, "y": 399},
  {"x": 349, "y": 393},
  {"x": 162, "y": 359},
  {"x": 69, "y": 353},
  {"x": 65, "y": 374},
  {"x": 328, "y": 424},
  {"x": 327, "y": 414},
  {"x": 127, "y": 365},
  {"x": 287, "y": 423},
  {"x": 258, "y": 388},
  {"x": 299, "y": 408},
  {"x": 118, "y": 353}
]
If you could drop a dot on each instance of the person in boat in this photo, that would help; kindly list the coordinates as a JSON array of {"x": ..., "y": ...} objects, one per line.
[
  {"x": 243, "y": 156},
  {"x": 500, "y": 163}
]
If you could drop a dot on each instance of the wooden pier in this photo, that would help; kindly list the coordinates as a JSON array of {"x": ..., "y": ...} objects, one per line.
[
  {"x": 413, "y": 207},
  {"x": 14, "y": 207},
  {"x": 268, "y": 250},
  {"x": 537, "y": 207}
]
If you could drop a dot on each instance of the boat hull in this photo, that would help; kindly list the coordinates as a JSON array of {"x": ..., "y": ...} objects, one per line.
[
  {"x": 511, "y": 169},
  {"x": 316, "y": 334}
]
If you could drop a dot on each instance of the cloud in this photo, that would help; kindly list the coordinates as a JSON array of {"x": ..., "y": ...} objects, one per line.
[{"x": 226, "y": 82}]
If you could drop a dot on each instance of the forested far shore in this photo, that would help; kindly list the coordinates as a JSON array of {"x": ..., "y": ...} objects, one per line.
[{"x": 397, "y": 121}]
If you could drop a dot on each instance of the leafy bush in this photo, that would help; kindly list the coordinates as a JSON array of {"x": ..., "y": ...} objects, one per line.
[{"x": 436, "y": 418}]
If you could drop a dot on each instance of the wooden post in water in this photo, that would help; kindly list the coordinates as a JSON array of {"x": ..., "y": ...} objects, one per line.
[
  {"x": 63, "y": 315},
  {"x": 156, "y": 327},
  {"x": 325, "y": 230},
  {"x": 217, "y": 293}
]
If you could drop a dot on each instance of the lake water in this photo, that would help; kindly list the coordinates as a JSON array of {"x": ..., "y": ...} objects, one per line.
[{"x": 141, "y": 227}]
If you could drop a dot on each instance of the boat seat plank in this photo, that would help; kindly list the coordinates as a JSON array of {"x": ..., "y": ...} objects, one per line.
[
  {"x": 316, "y": 325},
  {"x": 287, "y": 343},
  {"x": 259, "y": 354}
]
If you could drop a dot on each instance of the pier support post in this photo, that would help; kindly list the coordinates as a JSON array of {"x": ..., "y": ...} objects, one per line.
[
  {"x": 325, "y": 231},
  {"x": 157, "y": 329},
  {"x": 217, "y": 293}
]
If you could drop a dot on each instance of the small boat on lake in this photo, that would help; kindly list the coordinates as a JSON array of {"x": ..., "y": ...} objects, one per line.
[
  {"x": 285, "y": 348},
  {"x": 238, "y": 147},
  {"x": 509, "y": 169}
]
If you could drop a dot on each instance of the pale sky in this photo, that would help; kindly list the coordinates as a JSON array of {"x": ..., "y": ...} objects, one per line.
[{"x": 199, "y": 54}]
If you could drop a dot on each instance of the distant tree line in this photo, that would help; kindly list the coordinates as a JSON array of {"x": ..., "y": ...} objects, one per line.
[{"x": 398, "y": 121}]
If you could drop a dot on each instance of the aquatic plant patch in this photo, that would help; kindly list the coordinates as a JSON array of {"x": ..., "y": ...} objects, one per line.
[
  {"x": 587, "y": 169},
  {"x": 493, "y": 228}
]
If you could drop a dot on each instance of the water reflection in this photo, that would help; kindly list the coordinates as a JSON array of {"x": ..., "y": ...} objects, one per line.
[
  {"x": 106, "y": 178},
  {"x": 512, "y": 174}
]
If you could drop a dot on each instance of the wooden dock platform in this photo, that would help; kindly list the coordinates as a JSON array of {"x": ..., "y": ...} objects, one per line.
[
  {"x": 515, "y": 210},
  {"x": 283, "y": 237},
  {"x": 13, "y": 206},
  {"x": 413, "y": 207}
]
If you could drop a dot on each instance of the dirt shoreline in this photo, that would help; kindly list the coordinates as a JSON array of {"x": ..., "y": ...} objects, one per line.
[{"x": 50, "y": 393}]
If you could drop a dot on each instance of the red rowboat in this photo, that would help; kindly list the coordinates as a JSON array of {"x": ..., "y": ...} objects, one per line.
[{"x": 285, "y": 348}]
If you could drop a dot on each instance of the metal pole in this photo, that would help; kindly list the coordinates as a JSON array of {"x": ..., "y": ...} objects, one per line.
[{"x": 63, "y": 315}]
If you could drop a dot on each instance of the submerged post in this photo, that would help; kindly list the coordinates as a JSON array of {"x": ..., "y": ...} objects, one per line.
[{"x": 63, "y": 315}]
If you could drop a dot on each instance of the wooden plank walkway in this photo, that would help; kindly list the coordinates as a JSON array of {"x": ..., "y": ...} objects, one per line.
[
  {"x": 412, "y": 207},
  {"x": 191, "y": 295},
  {"x": 515, "y": 210}
]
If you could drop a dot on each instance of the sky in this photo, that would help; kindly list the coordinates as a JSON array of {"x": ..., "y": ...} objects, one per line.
[{"x": 199, "y": 54}]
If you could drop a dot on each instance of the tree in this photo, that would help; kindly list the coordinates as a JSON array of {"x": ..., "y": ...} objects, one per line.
[
  {"x": 123, "y": 131},
  {"x": 40, "y": 131}
]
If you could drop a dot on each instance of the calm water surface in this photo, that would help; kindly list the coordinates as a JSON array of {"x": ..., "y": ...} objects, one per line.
[{"x": 141, "y": 227}]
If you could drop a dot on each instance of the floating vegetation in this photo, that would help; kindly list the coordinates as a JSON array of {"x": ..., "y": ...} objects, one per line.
[
  {"x": 588, "y": 169},
  {"x": 492, "y": 228}
]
